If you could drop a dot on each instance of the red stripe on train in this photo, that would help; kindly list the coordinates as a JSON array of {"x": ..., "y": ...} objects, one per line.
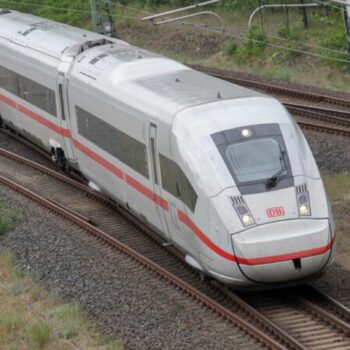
[
  {"x": 147, "y": 192},
  {"x": 251, "y": 261},
  {"x": 98, "y": 159},
  {"x": 190, "y": 224},
  {"x": 286, "y": 257},
  {"x": 119, "y": 173},
  {"x": 161, "y": 201},
  {"x": 57, "y": 129},
  {"x": 8, "y": 101}
]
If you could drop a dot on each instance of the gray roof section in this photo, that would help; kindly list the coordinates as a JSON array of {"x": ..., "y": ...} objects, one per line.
[
  {"x": 152, "y": 83},
  {"x": 50, "y": 38},
  {"x": 190, "y": 88}
]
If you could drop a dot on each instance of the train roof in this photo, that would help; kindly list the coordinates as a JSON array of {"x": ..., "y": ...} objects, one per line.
[
  {"x": 50, "y": 38},
  {"x": 152, "y": 82},
  {"x": 137, "y": 77}
]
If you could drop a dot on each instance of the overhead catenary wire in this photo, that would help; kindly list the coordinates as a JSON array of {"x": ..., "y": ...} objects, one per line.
[
  {"x": 66, "y": 9},
  {"x": 134, "y": 9},
  {"x": 239, "y": 37},
  {"x": 226, "y": 31},
  {"x": 323, "y": 48}
]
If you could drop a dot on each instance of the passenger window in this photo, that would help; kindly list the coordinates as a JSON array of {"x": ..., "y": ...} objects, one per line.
[
  {"x": 8, "y": 80},
  {"x": 175, "y": 182},
  {"x": 38, "y": 95},
  {"x": 115, "y": 142}
]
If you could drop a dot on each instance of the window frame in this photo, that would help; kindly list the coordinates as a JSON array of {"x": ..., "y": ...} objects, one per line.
[
  {"x": 182, "y": 188},
  {"x": 224, "y": 139},
  {"x": 22, "y": 83},
  {"x": 129, "y": 156}
]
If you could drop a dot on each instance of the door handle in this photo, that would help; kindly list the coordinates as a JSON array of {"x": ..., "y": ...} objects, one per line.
[{"x": 173, "y": 214}]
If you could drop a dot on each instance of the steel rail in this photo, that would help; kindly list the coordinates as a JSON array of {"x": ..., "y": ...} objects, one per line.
[
  {"x": 305, "y": 316},
  {"x": 311, "y": 293},
  {"x": 150, "y": 265},
  {"x": 325, "y": 129},
  {"x": 331, "y": 114},
  {"x": 316, "y": 115},
  {"x": 321, "y": 313},
  {"x": 304, "y": 95},
  {"x": 280, "y": 336}
]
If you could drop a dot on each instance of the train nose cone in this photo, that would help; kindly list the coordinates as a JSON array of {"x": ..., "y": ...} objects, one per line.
[{"x": 283, "y": 251}]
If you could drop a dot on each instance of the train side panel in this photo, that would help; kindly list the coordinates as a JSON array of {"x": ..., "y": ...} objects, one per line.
[
  {"x": 28, "y": 95},
  {"x": 112, "y": 148}
]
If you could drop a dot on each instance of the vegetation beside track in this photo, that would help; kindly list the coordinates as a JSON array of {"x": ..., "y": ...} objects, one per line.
[
  {"x": 338, "y": 189},
  {"x": 8, "y": 218},
  {"x": 30, "y": 318},
  {"x": 247, "y": 51}
]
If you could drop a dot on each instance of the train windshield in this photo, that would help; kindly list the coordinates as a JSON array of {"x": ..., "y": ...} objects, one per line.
[
  {"x": 256, "y": 157},
  {"x": 255, "y": 160}
]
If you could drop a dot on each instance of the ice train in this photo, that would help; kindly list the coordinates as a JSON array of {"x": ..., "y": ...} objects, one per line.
[{"x": 222, "y": 172}]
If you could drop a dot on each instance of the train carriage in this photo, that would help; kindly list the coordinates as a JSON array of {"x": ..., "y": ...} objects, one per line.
[{"x": 222, "y": 172}]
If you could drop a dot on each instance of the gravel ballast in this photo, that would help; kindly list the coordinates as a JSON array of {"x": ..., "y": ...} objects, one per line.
[
  {"x": 125, "y": 301},
  {"x": 332, "y": 153}
]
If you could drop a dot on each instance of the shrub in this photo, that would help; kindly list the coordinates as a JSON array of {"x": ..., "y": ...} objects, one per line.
[
  {"x": 39, "y": 333},
  {"x": 9, "y": 321},
  {"x": 230, "y": 48},
  {"x": 115, "y": 345},
  {"x": 7, "y": 219},
  {"x": 335, "y": 40},
  {"x": 69, "y": 314},
  {"x": 253, "y": 46}
]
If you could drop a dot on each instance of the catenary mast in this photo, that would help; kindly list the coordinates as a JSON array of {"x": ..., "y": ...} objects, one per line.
[{"x": 102, "y": 18}]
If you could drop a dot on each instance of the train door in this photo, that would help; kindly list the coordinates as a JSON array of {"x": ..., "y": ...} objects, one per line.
[
  {"x": 62, "y": 88},
  {"x": 160, "y": 205}
]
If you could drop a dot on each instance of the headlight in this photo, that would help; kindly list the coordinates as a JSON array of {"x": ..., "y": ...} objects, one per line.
[
  {"x": 242, "y": 211},
  {"x": 304, "y": 203},
  {"x": 247, "y": 220},
  {"x": 304, "y": 210}
]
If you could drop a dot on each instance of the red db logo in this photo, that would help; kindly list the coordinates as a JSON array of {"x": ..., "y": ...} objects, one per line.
[{"x": 275, "y": 212}]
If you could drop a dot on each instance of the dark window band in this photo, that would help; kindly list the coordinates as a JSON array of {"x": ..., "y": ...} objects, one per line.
[
  {"x": 115, "y": 142},
  {"x": 176, "y": 183},
  {"x": 29, "y": 90}
]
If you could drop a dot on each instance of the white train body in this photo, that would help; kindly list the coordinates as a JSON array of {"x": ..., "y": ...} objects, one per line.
[{"x": 220, "y": 171}]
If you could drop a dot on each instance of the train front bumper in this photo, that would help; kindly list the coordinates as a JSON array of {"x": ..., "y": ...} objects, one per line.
[{"x": 284, "y": 251}]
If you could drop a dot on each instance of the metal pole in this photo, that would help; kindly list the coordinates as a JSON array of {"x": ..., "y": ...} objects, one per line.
[
  {"x": 111, "y": 31},
  {"x": 280, "y": 6},
  {"x": 150, "y": 18},
  {"x": 261, "y": 19},
  {"x": 305, "y": 18},
  {"x": 96, "y": 20},
  {"x": 102, "y": 18},
  {"x": 287, "y": 14},
  {"x": 347, "y": 27}
]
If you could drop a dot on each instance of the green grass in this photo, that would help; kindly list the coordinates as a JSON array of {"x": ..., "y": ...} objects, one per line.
[
  {"x": 338, "y": 187},
  {"x": 9, "y": 321},
  {"x": 39, "y": 333},
  {"x": 8, "y": 218},
  {"x": 70, "y": 316},
  {"x": 115, "y": 345}
]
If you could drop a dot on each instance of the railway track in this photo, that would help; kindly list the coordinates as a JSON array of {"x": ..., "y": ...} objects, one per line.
[
  {"x": 114, "y": 226},
  {"x": 318, "y": 108},
  {"x": 274, "y": 89}
]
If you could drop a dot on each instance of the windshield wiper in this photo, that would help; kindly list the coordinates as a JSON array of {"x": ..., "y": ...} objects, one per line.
[{"x": 274, "y": 179}]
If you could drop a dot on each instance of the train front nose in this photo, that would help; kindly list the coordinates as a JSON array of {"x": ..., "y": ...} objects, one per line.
[{"x": 282, "y": 251}]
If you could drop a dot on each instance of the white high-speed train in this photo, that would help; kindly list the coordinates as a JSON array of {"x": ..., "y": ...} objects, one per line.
[{"x": 220, "y": 171}]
